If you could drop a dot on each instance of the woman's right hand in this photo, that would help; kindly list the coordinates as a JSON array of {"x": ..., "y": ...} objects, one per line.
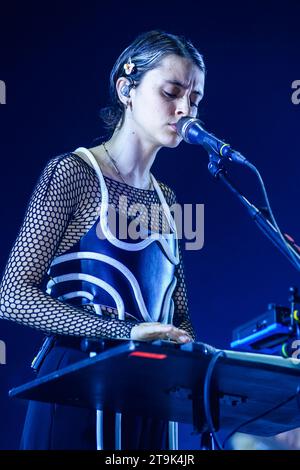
[{"x": 150, "y": 331}]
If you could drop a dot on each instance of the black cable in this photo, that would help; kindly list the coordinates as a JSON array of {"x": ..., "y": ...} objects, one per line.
[
  {"x": 249, "y": 421},
  {"x": 206, "y": 397},
  {"x": 295, "y": 257}
]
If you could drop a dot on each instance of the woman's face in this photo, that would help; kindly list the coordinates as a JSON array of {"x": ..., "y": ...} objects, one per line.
[{"x": 165, "y": 94}]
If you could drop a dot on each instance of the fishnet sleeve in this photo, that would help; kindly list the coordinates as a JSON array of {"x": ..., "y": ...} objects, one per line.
[
  {"x": 181, "y": 313},
  {"x": 53, "y": 203}
]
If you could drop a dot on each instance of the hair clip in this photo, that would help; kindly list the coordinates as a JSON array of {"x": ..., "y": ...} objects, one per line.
[{"x": 130, "y": 67}]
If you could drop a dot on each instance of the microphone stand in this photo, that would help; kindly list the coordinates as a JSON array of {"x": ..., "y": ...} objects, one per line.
[{"x": 217, "y": 169}]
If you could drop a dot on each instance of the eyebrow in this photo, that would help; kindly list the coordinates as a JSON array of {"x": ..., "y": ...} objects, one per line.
[{"x": 180, "y": 84}]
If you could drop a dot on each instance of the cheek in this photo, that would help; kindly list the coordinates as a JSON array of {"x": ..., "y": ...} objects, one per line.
[
  {"x": 147, "y": 106},
  {"x": 157, "y": 111},
  {"x": 164, "y": 109},
  {"x": 152, "y": 108}
]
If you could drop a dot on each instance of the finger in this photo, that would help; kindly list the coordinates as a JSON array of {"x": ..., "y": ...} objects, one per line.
[
  {"x": 175, "y": 334},
  {"x": 154, "y": 330},
  {"x": 185, "y": 334}
]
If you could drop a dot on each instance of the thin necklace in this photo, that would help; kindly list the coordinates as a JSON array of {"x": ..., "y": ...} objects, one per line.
[{"x": 117, "y": 169}]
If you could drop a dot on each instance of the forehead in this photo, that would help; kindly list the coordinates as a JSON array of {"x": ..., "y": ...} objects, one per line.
[{"x": 178, "y": 69}]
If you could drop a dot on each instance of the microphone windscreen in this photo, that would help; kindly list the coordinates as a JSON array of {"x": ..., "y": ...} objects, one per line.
[{"x": 182, "y": 121}]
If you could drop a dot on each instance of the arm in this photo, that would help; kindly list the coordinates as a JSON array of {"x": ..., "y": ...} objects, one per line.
[
  {"x": 181, "y": 312},
  {"x": 54, "y": 202}
]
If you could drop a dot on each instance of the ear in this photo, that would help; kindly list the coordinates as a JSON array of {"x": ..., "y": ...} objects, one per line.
[{"x": 123, "y": 90}]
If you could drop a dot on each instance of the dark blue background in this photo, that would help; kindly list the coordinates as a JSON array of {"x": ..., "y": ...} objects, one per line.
[{"x": 55, "y": 61}]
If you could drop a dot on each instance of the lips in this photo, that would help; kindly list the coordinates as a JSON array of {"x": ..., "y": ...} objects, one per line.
[{"x": 173, "y": 126}]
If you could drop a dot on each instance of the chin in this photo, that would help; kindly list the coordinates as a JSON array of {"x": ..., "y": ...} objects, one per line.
[
  {"x": 172, "y": 142},
  {"x": 173, "y": 145}
]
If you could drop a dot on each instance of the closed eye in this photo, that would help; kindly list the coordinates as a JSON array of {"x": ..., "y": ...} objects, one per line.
[
  {"x": 172, "y": 96},
  {"x": 169, "y": 95}
]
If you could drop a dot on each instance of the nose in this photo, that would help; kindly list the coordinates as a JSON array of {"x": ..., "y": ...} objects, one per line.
[{"x": 183, "y": 107}]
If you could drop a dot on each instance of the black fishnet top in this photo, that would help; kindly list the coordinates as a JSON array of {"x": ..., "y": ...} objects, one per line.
[{"x": 64, "y": 205}]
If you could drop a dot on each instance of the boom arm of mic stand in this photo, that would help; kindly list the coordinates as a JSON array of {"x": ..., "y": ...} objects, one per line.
[{"x": 217, "y": 170}]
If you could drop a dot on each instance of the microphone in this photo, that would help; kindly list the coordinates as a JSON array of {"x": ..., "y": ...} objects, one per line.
[{"x": 192, "y": 132}]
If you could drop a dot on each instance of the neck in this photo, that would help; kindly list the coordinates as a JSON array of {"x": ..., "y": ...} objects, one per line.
[{"x": 134, "y": 158}]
